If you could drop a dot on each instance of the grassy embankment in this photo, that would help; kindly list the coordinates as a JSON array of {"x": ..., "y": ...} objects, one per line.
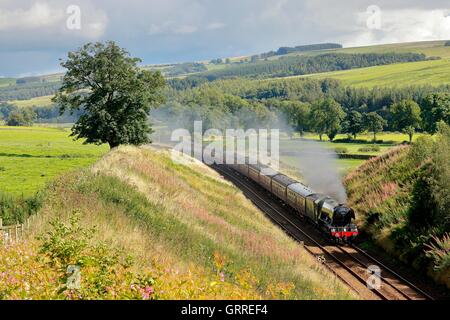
[
  {"x": 193, "y": 234},
  {"x": 401, "y": 199}
]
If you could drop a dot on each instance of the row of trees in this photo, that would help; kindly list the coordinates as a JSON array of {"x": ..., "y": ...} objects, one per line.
[
  {"x": 28, "y": 90},
  {"x": 300, "y": 65},
  {"x": 327, "y": 116},
  {"x": 311, "y": 105},
  {"x": 15, "y": 116}
]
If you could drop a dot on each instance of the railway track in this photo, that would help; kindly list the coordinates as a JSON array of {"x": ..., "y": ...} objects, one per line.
[{"x": 349, "y": 263}]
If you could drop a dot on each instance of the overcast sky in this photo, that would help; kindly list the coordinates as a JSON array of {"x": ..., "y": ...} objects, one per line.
[{"x": 34, "y": 34}]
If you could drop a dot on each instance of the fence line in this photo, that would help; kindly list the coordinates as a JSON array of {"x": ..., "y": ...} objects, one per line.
[{"x": 13, "y": 233}]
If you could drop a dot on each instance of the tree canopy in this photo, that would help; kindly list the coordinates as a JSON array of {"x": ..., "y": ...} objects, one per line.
[
  {"x": 326, "y": 117},
  {"x": 113, "y": 92},
  {"x": 406, "y": 116},
  {"x": 373, "y": 122}
]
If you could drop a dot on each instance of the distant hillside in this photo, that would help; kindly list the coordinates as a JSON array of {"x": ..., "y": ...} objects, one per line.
[
  {"x": 302, "y": 48},
  {"x": 432, "y": 72},
  {"x": 185, "y": 232},
  {"x": 402, "y": 202},
  {"x": 301, "y": 65}
]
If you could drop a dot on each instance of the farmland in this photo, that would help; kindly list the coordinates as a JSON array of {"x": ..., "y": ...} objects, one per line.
[
  {"x": 43, "y": 101},
  {"x": 31, "y": 157},
  {"x": 432, "y": 72}
]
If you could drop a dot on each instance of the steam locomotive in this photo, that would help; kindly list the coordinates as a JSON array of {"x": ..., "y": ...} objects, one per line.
[{"x": 335, "y": 220}]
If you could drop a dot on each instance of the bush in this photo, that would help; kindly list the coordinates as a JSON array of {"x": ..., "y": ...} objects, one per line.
[
  {"x": 423, "y": 211},
  {"x": 17, "y": 210},
  {"x": 447, "y": 44},
  {"x": 22, "y": 117},
  {"x": 70, "y": 251},
  {"x": 341, "y": 150},
  {"x": 440, "y": 252},
  {"x": 369, "y": 149}
]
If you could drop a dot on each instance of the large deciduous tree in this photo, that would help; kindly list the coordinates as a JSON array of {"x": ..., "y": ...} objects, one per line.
[
  {"x": 353, "y": 123},
  {"x": 436, "y": 107},
  {"x": 114, "y": 94},
  {"x": 373, "y": 122},
  {"x": 326, "y": 117},
  {"x": 406, "y": 117}
]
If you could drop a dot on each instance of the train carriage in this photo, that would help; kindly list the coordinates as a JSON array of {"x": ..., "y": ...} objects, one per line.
[
  {"x": 296, "y": 196},
  {"x": 265, "y": 177},
  {"x": 279, "y": 186},
  {"x": 243, "y": 168},
  {"x": 253, "y": 172}
]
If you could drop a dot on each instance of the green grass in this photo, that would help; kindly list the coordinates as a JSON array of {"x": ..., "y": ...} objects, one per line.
[
  {"x": 43, "y": 101},
  {"x": 31, "y": 157},
  {"x": 429, "y": 48},
  {"x": 434, "y": 72}
]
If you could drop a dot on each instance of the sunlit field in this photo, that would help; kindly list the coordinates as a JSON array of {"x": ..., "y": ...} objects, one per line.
[{"x": 31, "y": 157}]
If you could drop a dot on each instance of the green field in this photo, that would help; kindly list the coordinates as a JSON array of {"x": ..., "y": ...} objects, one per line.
[
  {"x": 31, "y": 157},
  {"x": 433, "y": 72},
  {"x": 43, "y": 101}
]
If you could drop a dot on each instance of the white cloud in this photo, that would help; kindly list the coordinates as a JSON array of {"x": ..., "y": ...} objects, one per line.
[
  {"x": 215, "y": 25},
  {"x": 48, "y": 18},
  {"x": 406, "y": 25},
  {"x": 38, "y": 15},
  {"x": 185, "y": 29}
]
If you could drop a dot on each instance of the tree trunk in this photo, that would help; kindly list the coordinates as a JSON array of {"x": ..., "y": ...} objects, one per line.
[
  {"x": 374, "y": 137},
  {"x": 320, "y": 136},
  {"x": 410, "y": 137},
  {"x": 354, "y": 136}
]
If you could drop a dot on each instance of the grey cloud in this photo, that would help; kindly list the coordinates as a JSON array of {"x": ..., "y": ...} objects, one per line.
[{"x": 182, "y": 30}]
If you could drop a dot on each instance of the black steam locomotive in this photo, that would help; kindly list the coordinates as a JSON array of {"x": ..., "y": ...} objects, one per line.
[{"x": 333, "y": 218}]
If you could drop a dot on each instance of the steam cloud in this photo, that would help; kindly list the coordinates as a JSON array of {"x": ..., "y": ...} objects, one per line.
[
  {"x": 318, "y": 167},
  {"x": 316, "y": 164}
]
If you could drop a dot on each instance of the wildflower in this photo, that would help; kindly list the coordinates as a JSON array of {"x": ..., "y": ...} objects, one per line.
[{"x": 147, "y": 292}]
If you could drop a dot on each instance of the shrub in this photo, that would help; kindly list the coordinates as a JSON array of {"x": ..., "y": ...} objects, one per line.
[
  {"x": 13, "y": 210},
  {"x": 440, "y": 252},
  {"x": 341, "y": 150},
  {"x": 447, "y": 44},
  {"x": 70, "y": 251},
  {"x": 21, "y": 117},
  {"x": 369, "y": 149}
]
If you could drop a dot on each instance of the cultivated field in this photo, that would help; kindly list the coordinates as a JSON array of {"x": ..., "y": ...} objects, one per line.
[
  {"x": 433, "y": 72},
  {"x": 43, "y": 101},
  {"x": 31, "y": 157}
]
